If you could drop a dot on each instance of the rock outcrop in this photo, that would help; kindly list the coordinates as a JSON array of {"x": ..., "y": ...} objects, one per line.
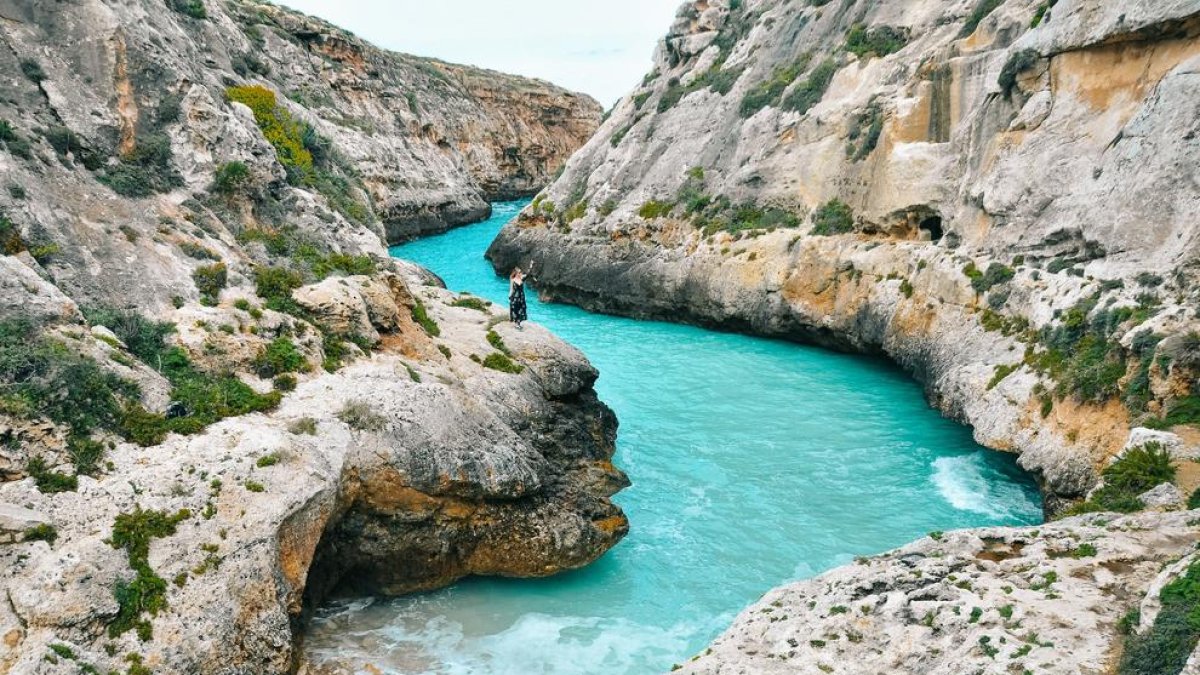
[
  {"x": 220, "y": 398},
  {"x": 1057, "y": 599},
  {"x": 1007, "y": 211},
  {"x": 403, "y": 472}
]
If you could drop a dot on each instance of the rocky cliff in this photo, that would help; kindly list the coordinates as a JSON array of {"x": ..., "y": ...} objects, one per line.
[
  {"x": 417, "y": 145},
  {"x": 220, "y": 398},
  {"x": 1000, "y": 196}
]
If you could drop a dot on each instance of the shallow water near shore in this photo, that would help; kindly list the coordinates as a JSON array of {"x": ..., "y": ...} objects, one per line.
[{"x": 754, "y": 462}]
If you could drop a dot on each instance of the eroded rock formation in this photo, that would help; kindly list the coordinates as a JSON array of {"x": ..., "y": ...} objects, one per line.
[
  {"x": 220, "y": 399},
  {"x": 1006, "y": 211}
]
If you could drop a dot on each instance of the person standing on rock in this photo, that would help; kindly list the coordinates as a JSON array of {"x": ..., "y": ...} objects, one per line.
[{"x": 517, "y": 311}]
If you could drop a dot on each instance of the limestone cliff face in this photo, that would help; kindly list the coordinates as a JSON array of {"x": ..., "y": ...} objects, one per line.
[
  {"x": 220, "y": 398},
  {"x": 424, "y": 145},
  {"x": 1001, "y": 196}
]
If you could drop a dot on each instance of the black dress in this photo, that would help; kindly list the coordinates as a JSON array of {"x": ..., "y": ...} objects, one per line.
[{"x": 516, "y": 303}]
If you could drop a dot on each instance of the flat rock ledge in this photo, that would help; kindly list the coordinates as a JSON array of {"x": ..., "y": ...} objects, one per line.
[{"x": 995, "y": 600}]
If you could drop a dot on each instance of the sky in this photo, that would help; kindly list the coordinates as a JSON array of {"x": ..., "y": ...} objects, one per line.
[{"x": 600, "y": 48}]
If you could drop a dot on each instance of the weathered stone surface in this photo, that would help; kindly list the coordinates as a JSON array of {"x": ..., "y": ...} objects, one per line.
[
  {"x": 15, "y": 520},
  {"x": 402, "y": 471},
  {"x": 468, "y": 471},
  {"x": 1074, "y": 180},
  {"x": 1041, "y": 598},
  {"x": 1165, "y": 496}
]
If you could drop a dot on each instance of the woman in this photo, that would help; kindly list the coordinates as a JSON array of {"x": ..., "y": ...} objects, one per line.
[{"x": 516, "y": 295}]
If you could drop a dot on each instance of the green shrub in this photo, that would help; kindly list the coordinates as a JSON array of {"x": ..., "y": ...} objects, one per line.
[
  {"x": 192, "y": 8},
  {"x": 304, "y": 426},
  {"x": 833, "y": 217},
  {"x": 143, "y": 337},
  {"x": 770, "y": 91},
  {"x": 1165, "y": 647},
  {"x": 996, "y": 274},
  {"x": 254, "y": 486},
  {"x": 44, "y": 532},
  {"x": 1193, "y": 501},
  {"x": 14, "y": 142},
  {"x": 203, "y": 398},
  {"x": 981, "y": 11},
  {"x": 575, "y": 211},
  {"x": 49, "y": 482},
  {"x": 11, "y": 242},
  {"x": 231, "y": 178},
  {"x": 147, "y": 592},
  {"x": 1041, "y": 13},
  {"x": 285, "y": 382},
  {"x": 278, "y": 357},
  {"x": 40, "y": 377},
  {"x": 1001, "y": 372},
  {"x": 810, "y": 92},
  {"x": 85, "y": 455},
  {"x": 210, "y": 280},
  {"x": 421, "y": 316},
  {"x": 502, "y": 363},
  {"x": 864, "y": 135},
  {"x": 281, "y": 130},
  {"x": 496, "y": 341},
  {"x": 607, "y": 208},
  {"x": 1139, "y": 470},
  {"x": 1185, "y": 410},
  {"x": 145, "y": 171},
  {"x": 32, "y": 70},
  {"x": 877, "y": 40},
  {"x": 655, "y": 209},
  {"x": 64, "y": 141},
  {"x": 478, "y": 304},
  {"x": 275, "y": 285},
  {"x": 1018, "y": 63}
]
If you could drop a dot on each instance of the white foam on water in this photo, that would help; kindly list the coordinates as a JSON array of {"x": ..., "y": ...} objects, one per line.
[
  {"x": 961, "y": 481},
  {"x": 535, "y": 644}
]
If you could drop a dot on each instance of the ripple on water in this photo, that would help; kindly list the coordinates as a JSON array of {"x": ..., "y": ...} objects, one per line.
[{"x": 754, "y": 462}]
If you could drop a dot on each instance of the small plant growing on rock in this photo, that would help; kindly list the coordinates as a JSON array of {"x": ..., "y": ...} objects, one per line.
[
  {"x": 279, "y": 357},
  {"x": 49, "y": 482},
  {"x": 1139, "y": 470},
  {"x": 305, "y": 426},
  {"x": 1018, "y": 63},
  {"x": 655, "y": 209},
  {"x": 496, "y": 341},
  {"x": 146, "y": 593},
  {"x": 32, "y": 70},
  {"x": 210, "y": 280},
  {"x": 877, "y": 40},
  {"x": 192, "y": 8},
  {"x": 470, "y": 302},
  {"x": 833, "y": 217},
  {"x": 43, "y": 532},
  {"x": 421, "y": 316},
  {"x": 231, "y": 178},
  {"x": 502, "y": 363},
  {"x": 359, "y": 416}
]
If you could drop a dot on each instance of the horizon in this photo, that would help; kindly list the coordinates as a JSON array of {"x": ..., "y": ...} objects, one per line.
[{"x": 597, "y": 51}]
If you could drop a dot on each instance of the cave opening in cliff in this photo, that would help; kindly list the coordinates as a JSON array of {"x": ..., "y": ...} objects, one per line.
[{"x": 932, "y": 225}]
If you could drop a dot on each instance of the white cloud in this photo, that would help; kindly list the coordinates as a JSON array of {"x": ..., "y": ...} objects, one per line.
[{"x": 599, "y": 48}]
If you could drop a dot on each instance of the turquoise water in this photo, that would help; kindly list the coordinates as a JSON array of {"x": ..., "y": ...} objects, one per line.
[{"x": 754, "y": 462}]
